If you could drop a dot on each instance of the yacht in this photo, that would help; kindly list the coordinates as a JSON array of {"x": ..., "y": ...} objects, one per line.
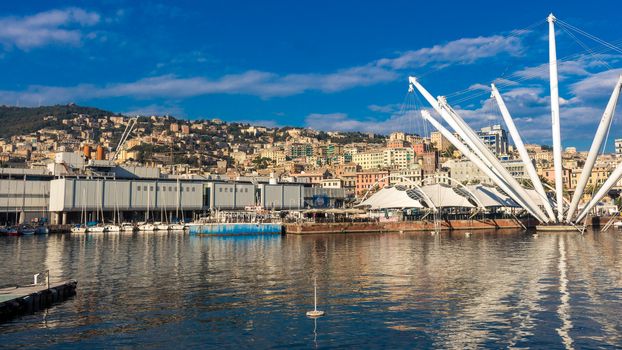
[
  {"x": 42, "y": 230},
  {"x": 27, "y": 230},
  {"x": 79, "y": 229},
  {"x": 127, "y": 227},
  {"x": 178, "y": 227},
  {"x": 97, "y": 229},
  {"x": 146, "y": 227},
  {"x": 161, "y": 226},
  {"x": 112, "y": 228}
]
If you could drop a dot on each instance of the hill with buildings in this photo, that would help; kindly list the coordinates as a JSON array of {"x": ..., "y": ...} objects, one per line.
[{"x": 24, "y": 120}]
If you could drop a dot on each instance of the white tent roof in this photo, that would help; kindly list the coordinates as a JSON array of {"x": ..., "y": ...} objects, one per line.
[
  {"x": 444, "y": 196},
  {"x": 391, "y": 197},
  {"x": 535, "y": 196},
  {"x": 491, "y": 197}
]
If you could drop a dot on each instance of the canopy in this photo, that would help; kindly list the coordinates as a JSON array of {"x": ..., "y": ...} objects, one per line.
[
  {"x": 391, "y": 197},
  {"x": 445, "y": 196},
  {"x": 491, "y": 197}
]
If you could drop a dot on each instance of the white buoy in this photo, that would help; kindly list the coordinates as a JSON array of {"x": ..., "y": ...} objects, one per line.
[{"x": 315, "y": 312}]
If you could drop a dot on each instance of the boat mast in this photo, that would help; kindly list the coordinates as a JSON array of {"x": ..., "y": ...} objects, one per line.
[{"x": 557, "y": 144}]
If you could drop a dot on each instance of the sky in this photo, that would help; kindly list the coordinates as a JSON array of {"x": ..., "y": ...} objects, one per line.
[{"x": 329, "y": 65}]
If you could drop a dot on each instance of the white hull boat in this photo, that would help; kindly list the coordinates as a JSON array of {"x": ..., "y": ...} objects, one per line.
[
  {"x": 161, "y": 227},
  {"x": 112, "y": 228},
  {"x": 146, "y": 227},
  {"x": 178, "y": 227},
  {"x": 97, "y": 229},
  {"x": 79, "y": 229},
  {"x": 126, "y": 227}
]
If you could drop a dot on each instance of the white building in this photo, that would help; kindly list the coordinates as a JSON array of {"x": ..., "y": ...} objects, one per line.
[{"x": 393, "y": 158}]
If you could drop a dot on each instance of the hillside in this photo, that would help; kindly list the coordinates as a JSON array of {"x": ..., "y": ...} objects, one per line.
[{"x": 24, "y": 120}]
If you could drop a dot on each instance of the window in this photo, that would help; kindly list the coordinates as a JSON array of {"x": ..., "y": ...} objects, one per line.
[
  {"x": 193, "y": 189},
  {"x": 150, "y": 188},
  {"x": 144, "y": 188},
  {"x": 220, "y": 189},
  {"x": 187, "y": 189},
  {"x": 170, "y": 188},
  {"x": 138, "y": 188},
  {"x": 163, "y": 188}
]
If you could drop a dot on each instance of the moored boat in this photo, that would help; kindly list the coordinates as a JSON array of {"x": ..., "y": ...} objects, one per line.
[
  {"x": 146, "y": 227},
  {"x": 97, "y": 229},
  {"x": 79, "y": 229},
  {"x": 112, "y": 228},
  {"x": 127, "y": 227}
]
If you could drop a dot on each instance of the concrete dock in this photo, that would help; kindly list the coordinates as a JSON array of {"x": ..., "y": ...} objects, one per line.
[{"x": 22, "y": 300}]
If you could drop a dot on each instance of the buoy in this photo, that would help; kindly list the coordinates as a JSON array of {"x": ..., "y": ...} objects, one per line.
[
  {"x": 315, "y": 312},
  {"x": 468, "y": 234}
]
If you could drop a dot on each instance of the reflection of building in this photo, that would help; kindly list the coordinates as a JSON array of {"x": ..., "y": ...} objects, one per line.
[{"x": 495, "y": 138}]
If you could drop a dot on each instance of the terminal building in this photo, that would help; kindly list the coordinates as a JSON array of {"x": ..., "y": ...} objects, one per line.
[{"x": 65, "y": 196}]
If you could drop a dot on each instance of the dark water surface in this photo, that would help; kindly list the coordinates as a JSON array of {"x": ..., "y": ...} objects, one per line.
[{"x": 171, "y": 290}]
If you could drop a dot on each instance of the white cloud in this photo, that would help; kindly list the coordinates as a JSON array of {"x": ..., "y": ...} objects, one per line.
[
  {"x": 156, "y": 109},
  {"x": 54, "y": 26},
  {"x": 257, "y": 83},
  {"x": 596, "y": 86},
  {"x": 462, "y": 51},
  {"x": 409, "y": 121}
]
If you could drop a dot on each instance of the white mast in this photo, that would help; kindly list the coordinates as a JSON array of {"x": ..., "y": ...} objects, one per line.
[
  {"x": 487, "y": 158},
  {"x": 601, "y": 132},
  {"x": 611, "y": 181},
  {"x": 473, "y": 158},
  {"x": 557, "y": 144},
  {"x": 522, "y": 151}
]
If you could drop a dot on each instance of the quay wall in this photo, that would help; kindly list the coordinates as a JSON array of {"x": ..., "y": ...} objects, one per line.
[{"x": 406, "y": 226}]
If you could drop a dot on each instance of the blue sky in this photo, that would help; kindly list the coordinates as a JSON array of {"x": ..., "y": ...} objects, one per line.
[{"x": 323, "y": 64}]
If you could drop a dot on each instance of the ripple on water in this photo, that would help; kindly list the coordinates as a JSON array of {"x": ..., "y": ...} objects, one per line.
[{"x": 411, "y": 290}]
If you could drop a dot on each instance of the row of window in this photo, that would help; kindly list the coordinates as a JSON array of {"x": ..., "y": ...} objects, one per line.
[
  {"x": 237, "y": 189},
  {"x": 163, "y": 188}
]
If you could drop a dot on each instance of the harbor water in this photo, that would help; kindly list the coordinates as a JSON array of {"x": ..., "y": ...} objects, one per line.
[{"x": 450, "y": 290}]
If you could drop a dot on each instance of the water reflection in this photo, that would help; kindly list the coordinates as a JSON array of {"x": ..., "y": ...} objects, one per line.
[{"x": 488, "y": 290}]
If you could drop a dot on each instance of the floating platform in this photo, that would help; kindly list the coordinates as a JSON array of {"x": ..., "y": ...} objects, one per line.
[
  {"x": 556, "y": 228},
  {"x": 235, "y": 228},
  {"x": 28, "y": 299}
]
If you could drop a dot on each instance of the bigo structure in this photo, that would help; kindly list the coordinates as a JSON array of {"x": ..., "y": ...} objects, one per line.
[{"x": 550, "y": 211}]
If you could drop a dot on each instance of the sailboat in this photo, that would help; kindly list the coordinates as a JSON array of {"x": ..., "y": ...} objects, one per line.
[
  {"x": 163, "y": 225},
  {"x": 100, "y": 227},
  {"x": 114, "y": 227},
  {"x": 315, "y": 312},
  {"x": 179, "y": 225},
  {"x": 147, "y": 226},
  {"x": 81, "y": 228}
]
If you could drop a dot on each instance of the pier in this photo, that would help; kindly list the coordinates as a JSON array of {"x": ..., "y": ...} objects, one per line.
[{"x": 22, "y": 300}]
